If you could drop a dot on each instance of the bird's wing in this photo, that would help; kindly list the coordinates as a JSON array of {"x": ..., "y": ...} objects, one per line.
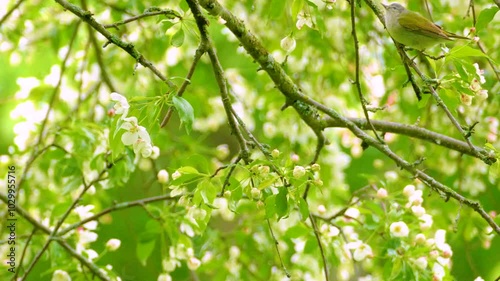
[{"x": 414, "y": 24}]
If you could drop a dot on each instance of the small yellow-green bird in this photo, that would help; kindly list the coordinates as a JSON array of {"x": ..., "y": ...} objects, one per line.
[{"x": 413, "y": 30}]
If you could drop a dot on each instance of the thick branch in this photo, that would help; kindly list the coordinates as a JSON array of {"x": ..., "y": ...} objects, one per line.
[{"x": 415, "y": 132}]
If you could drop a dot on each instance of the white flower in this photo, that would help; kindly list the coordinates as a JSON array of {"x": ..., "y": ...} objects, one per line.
[
  {"x": 421, "y": 262},
  {"x": 164, "y": 277},
  {"x": 143, "y": 147},
  {"x": 91, "y": 254},
  {"x": 113, "y": 244},
  {"x": 465, "y": 99},
  {"x": 416, "y": 198},
  {"x": 475, "y": 85},
  {"x": 288, "y": 44},
  {"x": 333, "y": 231},
  {"x": 440, "y": 242},
  {"x": 480, "y": 73},
  {"x": 479, "y": 278},
  {"x": 176, "y": 175},
  {"x": 321, "y": 209},
  {"x": 122, "y": 106},
  {"x": 60, "y": 275},
  {"x": 399, "y": 229},
  {"x": 84, "y": 212},
  {"x": 193, "y": 263},
  {"x": 482, "y": 94},
  {"x": 418, "y": 211},
  {"x": 86, "y": 236},
  {"x": 420, "y": 238},
  {"x": 299, "y": 172},
  {"x": 438, "y": 271},
  {"x": 362, "y": 251},
  {"x": 352, "y": 213},
  {"x": 162, "y": 176},
  {"x": 187, "y": 229},
  {"x": 409, "y": 190},
  {"x": 255, "y": 193},
  {"x": 425, "y": 221},
  {"x": 156, "y": 153},
  {"x": 234, "y": 252},
  {"x": 381, "y": 193},
  {"x": 134, "y": 131},
  {"x": 303, "y": 18},
  {"x": 170, "y": 265},
  {"x": 440, "y": 238}
]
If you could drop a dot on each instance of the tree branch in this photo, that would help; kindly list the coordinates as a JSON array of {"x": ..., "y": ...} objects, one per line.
[
  {"x": 283, "y": 82},
  {"x": 127, "y": 47},
  {"x": 415, "y": 132}
]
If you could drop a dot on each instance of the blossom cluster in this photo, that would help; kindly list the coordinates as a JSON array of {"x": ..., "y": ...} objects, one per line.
[{"x": 135, "y": 135}]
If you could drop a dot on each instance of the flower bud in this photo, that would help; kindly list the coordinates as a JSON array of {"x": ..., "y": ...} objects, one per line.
[
  {"x": 288, "y": 44},
  {"x": 255, "y": 193},
  {"x": 162, "y": 176},
  {"x": 299, "y": 172},
  {"x": 275, "y": 153},
  {"x": 381, "y": 193},
  {"x": 113, "y": 244}
]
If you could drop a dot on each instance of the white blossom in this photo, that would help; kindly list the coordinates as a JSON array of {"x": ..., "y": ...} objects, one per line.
[
  {"x": 134, "y": 132},
  {"x": 60, "y": 275},
  {"x": 399, "y": 229},
  {"x": 121, "y": 106},
  {"x": 113, "y": 244}
]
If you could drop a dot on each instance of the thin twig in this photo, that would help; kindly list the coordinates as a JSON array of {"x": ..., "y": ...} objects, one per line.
[
  {"x": 98, "y": 54},
  {"x": 116, "y": 207},
  {"x": 356, "y": 81},
  {"x": 144, "y": 15},
  {"x": 202, "y": 24},
  {"x": 198, "y": 54},
  {"x": 321, "y": 250},
  {"x": 276, "y": 243},
  {"x": 9, "y": 12},
  {"x": 127, "y": 47}
]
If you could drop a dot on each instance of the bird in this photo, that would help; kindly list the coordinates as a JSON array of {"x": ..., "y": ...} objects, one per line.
[{"x": 413, "y": 30}]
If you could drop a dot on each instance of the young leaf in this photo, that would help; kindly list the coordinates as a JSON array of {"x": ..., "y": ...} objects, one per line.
[
  {"x": 281, "y": 202},
  {"x": 485, "y": 17},
  {"x": 178, "y": 38},
  {"x": 185, "y": 111}
]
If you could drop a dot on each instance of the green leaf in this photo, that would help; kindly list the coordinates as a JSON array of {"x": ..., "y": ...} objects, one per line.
[
  {"x": 303, "y": 209},
  {"x": 485, "y": 17},
  {"x": 185, "y": 111},
  {"x": 296, "y": 8},
  {"x": 270, "y": 206},
  {"x": 281, "y": 202},
  {"x": 144, "y": 250},
  {"x": 178, "y": 38},
  {"x": 460, "y": 69},
  {"x": 494, "y": 171},
  {"x": 465, "y": 51},
  {"x": 69, "y": 167},
  {"x": 277, "y": 8},
  {"x": 396, "y": 269},
  {"x": 296, "y": 231}
]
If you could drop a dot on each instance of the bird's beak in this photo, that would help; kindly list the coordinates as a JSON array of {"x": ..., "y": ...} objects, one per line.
[{"x": 385, "y": 6}]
